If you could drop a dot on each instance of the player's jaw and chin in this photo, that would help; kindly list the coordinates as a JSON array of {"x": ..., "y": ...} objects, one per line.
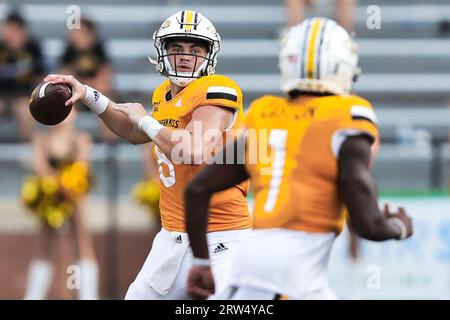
[
  {"x": 185, "y": 63},
  {"x": 186, "y": 57}
]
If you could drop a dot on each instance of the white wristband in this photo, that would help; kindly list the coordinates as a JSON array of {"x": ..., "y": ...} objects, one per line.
[
  {"x": 399, "y": 223},
  {"x": 198, "y": 262},
  {"x": 150, "y": 126},
  {"x": 95, "y": 100}
]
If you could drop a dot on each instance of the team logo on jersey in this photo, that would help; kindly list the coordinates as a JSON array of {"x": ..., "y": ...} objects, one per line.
[
  {"x": 174, "y": 123},
  {"x": 156, "y": 106},
  {"x": 178, "y": 104}
]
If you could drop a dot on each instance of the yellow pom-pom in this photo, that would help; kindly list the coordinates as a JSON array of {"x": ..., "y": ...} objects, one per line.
[
  {"x": 52, "y": 199},
  {"x": 49, "y": 185},
  {"x": 147, "y": 193},
  {"x": 79, "y": 168},
  {"x": 44, "y": 199},
  {"x": 55, "y": 217},
  {"x": 81, "y": 185},
  {"x": 30, "y": 190},
  {"x": 66, "y": 179},
  {"x": 76, "y": 178}
]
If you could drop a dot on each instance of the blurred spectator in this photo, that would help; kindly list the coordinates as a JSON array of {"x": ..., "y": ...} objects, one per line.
[
  {"x": 56, "y": 196},
  {"x": 85, "y": 58},
  {"x": 21, "y": 68},
  {"x": 444, "y": 28},
  {"x": 295, "y": 10}
]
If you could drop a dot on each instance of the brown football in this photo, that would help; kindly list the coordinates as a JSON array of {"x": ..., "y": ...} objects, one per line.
[{"x": 47, "y": 103}]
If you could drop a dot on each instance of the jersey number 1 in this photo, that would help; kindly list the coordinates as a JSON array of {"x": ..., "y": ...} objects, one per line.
[{"x": 277, "y": 141}]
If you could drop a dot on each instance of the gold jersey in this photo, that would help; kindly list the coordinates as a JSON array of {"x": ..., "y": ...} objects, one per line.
[
  {"x": 229, "y": 208},
  {"x": 295, "y": 185}
]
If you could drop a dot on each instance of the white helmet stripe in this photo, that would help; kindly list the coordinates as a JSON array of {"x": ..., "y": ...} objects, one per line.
[{"x": 318, "y": 56}]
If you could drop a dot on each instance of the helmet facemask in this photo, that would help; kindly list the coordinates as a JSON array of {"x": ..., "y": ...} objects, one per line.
[
  {"x": 186, "y": 26},
  {"x": 182, "y": 79}
]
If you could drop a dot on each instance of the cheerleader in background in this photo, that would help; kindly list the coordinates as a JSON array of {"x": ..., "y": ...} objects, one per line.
[
  {"x": 147, "y": 191},
  {"x": 86, "y": 58},
  {"x": 56, "y": 197}
]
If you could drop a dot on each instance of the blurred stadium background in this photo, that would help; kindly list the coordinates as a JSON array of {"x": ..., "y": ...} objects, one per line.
[{"x": 406, "y": 76}]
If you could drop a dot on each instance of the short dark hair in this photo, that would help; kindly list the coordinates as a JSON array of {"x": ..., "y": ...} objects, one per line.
[
  {"x": 89, "y": 24},
  {"x": 293, "y": 94},
  {"x": 14, "y": 17}
]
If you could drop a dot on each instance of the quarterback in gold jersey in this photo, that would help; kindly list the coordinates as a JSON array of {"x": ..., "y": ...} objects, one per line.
[
  {"x": 193, "y": 110},
  {"x": 318, "y": 144}
]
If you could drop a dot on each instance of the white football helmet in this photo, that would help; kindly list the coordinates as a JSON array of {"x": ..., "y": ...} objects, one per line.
[
  {"x": 318, "y": 56},
  {"x": 186, "y": 25}
]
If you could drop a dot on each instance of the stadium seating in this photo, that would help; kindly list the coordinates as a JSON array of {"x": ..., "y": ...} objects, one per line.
[{"x": 406, "y": 74}]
